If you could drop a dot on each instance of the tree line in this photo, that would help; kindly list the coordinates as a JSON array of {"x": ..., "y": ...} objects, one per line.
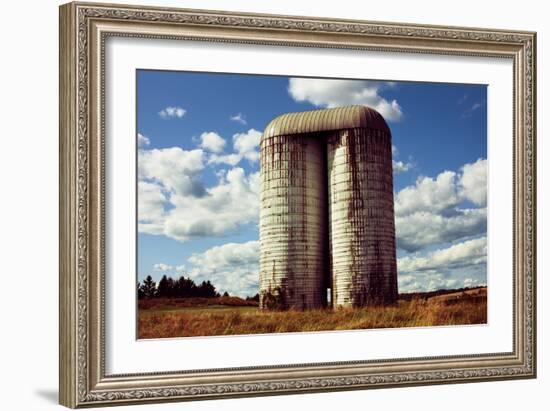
[
  {"x": 174, "y": 288},
  {"x": 429, "y": 294}
]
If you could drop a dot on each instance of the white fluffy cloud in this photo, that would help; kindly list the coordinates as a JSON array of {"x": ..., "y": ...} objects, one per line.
[
  {"x": 172, "y": 112},
  {"x": 428, "y": 194},
  {"x": 228, "y": 255},
  {"x": 432, "y": 211},
  {"x": 470, "y": 252},
  {"x": 143, "y": 140},
  {"x": 239, "y": 118},
  {"x": 401, "y": 167},
  {"x": 231, "y": 267},
  {"x": 213, "y": 142},
  {"x": 429, "y": 281},
  {"x": 460, "y": 265},
  {"x": 170, "y": 205},
  {"x": 245, "y": 146},
  {"x": 421, "y": 229},
  {"x": 335, "y": 93},
  {"x": 225, "y": 207},
  {"x": 474, "y": 282},
  {"x": 474, "y": 182},
  {"x": 398, "y": 165},
  {"x": 162, "y": 267},
  {"x": 173, "y": 168},
  {"x": 151, "y": 201},
  {"x": 172, "y": 200},
  {"x": 230, "y": 159}
]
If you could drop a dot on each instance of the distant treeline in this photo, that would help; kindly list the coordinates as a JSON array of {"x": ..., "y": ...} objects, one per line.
[
  {"x": 429, "y": 294},
  {"x": 179, "y": 288},
  {"x": 170, "y": 288}
]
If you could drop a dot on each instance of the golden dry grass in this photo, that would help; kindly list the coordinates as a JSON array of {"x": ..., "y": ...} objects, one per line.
[
  {"x": 193, "y": 302},
  {"x": 206, "y": 321}
]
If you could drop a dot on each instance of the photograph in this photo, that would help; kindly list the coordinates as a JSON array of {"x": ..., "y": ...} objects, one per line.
[{"x": 283, "y": 204}]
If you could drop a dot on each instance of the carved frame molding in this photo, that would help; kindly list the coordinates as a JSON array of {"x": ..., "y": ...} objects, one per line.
[{"x": 84, "y": 27}]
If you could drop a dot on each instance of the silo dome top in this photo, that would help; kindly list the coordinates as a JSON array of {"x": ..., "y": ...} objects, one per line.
[{"x": 326, "y": 120}]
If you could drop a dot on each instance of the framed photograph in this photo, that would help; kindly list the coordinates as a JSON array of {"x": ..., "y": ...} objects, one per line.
[{"x": 261, "y": 204}]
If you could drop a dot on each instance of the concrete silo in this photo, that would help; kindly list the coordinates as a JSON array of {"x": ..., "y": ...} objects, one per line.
[
  {"x": 293, "y": 215},
  {"x": 361, "y": 211},
  {"x": 326, "y": 219}
]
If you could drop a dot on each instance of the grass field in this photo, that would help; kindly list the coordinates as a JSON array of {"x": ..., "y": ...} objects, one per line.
[{"x": 161, "y": 318}]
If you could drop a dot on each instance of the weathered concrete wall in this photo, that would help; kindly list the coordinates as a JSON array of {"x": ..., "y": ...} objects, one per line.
[
  {"x": 293, "y": 222},
  {"x": 361, "y": 218}
]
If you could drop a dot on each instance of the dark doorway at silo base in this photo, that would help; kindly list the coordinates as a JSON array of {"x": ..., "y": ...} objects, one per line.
[{"x": 327, "y": 217}]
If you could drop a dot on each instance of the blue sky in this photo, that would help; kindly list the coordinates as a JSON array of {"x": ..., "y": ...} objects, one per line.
[{"x": 198, "y": 186}]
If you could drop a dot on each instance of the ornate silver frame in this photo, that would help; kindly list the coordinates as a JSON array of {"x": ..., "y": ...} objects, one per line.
[{"x": 83, "y": 30}]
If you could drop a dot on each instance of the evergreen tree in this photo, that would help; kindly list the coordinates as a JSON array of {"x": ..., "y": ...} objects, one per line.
[
  {"x": 206, "y": 289},
  {"x": 185, "y": 287},
  {"x": 253, "y": 298},
  {"x": 171, "y": 288},
  {"x": 164, "y": 287},
  {"x": 148, "y": 289}
]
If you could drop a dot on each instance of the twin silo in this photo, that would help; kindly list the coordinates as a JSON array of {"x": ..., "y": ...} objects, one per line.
[{"x": 327, "y": 230}]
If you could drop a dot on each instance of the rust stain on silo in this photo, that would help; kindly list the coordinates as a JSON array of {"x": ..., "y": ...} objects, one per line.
[{"x": 326, "y": 214}]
